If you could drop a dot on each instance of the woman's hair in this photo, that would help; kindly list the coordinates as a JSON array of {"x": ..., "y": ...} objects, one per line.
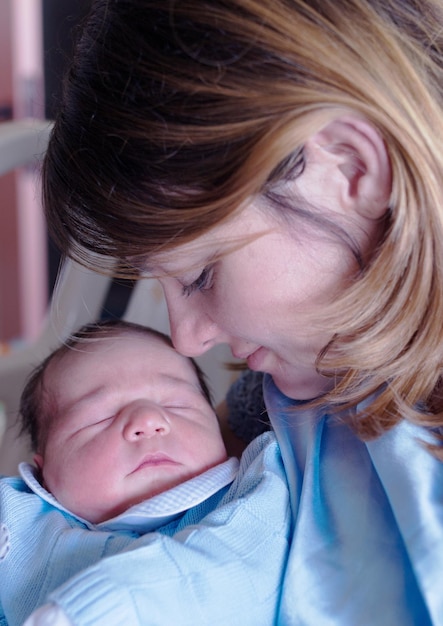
[
  {"x": 37, "y": 402},
  {"x": 177, "y": 112}
]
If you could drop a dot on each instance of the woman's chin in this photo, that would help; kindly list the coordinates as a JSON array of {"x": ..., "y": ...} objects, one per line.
[{"x": 301, "y": 387}]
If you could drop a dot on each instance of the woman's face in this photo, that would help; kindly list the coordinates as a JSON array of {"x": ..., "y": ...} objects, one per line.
[{"x": 263, "y": 297}]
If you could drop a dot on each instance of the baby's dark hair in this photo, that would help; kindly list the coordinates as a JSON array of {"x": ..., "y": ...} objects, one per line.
[{"x": 35, "y": 422}]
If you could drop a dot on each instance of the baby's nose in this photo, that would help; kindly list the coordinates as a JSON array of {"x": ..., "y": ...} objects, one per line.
[{"x": 144, "y": 420}]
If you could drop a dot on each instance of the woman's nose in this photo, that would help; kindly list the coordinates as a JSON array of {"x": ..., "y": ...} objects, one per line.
[
  {"x": 143, "y": 420},
  {"x": 192, "y": 330}
]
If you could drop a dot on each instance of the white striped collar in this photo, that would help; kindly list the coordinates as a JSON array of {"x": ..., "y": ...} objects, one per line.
[{"x": 153, "y": 512}]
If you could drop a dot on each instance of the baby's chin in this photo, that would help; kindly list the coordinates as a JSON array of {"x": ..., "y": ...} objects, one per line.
[{"x": 105, "y": 515}]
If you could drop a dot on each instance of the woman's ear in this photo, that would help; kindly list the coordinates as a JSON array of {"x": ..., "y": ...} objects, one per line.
[{"x": 347, "y": 161}]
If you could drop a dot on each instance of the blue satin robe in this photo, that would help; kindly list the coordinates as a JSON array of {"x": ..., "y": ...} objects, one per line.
[{"x": 367, "y": 543}]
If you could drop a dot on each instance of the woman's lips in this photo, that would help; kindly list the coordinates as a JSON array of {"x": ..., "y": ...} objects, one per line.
[{"x": 256, "y": 359}]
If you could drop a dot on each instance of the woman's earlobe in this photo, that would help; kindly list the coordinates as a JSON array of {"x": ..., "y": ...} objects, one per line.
[{"x": 358, "y": 162}]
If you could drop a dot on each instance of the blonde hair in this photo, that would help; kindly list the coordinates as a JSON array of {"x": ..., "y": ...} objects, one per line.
[{"x": 175, "y": 113}]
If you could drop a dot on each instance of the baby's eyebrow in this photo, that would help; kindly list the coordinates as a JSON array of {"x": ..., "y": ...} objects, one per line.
[
  {"x": 93, "y": 394},
  {"x": 103, "y": 391},
  {"x": 174, "y": 380}
]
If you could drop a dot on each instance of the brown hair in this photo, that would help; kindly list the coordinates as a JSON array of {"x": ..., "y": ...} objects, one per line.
[
  {"x": 175, "y": 113},
  {"x": 37, "y": 404}
]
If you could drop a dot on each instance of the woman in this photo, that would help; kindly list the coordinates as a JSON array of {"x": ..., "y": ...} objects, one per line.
[{"x": 279, "y": 166}]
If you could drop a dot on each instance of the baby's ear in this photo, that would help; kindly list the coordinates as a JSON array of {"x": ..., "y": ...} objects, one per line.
[
  {"x": 38, "y": 460},
  {"x": 349, "y": 159}
]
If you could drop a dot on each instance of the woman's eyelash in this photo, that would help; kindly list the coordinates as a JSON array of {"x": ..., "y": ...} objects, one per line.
[{"x": 202, "y": 283}]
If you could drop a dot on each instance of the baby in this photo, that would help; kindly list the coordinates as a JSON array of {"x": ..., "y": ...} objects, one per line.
[
  {"x": 117, "y": 416},
  {"x": 126, "y": 443}
]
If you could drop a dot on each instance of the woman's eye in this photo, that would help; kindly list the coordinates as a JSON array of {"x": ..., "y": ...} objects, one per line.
[{"x": 202, "y": 283}]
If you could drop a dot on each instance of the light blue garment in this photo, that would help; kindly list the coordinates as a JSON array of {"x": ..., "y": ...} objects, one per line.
[
  {"x": 220, "y": 563},
  {"x": 42, "y": 544},
  {"x": 368, "y": 522}
]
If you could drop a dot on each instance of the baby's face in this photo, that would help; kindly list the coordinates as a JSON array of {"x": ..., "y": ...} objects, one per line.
[{"x": 131, "y": 421}]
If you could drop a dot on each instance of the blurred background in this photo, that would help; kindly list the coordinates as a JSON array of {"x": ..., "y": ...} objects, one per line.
[{"x": 36, "y": 40}]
